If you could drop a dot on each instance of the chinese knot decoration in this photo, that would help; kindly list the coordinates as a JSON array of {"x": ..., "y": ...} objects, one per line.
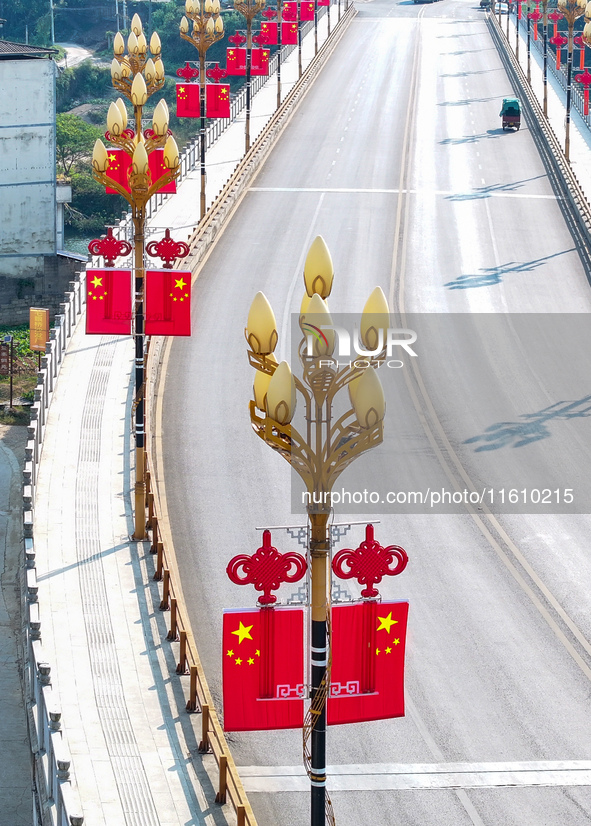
[
  {"x": 237, "y": 39},
  {"x": 580, "y": 43},
  {"x": 585, "y": 80},
  {"x": 269, "y": 14},
  {"x": 369, "y": 563},
  {"x": 266, "y": 569},
  {"x": 555, "y": 16},
  {"x": 188, "y": 72},
  {"x": 167, "y": 249},
  {"x": 216, "y": 73},
  {"x": 109, "y": 248},
  {"x": 260, "y": 39},
  {"x": 559, "y": 41},
  {"x": 536, "y": 16}
]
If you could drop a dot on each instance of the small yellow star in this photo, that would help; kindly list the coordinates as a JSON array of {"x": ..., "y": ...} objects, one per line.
[
  {"x": 250, "y": 661},
  {"x": 94, "y": 297},
  {"x": 388, "y": 650},
  {"x": 386, "y": 623},
  {"x": 230, "y": 653},
  {"x": 174, "y": 299},
  {"x": 238, "y": 661},
  {"x": 102, "y": 296},
  {"x": 377, "y": 650},
  {"x": 97, "y": 282},
  {"x": 243, "y": 632},
  {"x": 257, "y": 653},
  {"x": 396, "y": 642}
]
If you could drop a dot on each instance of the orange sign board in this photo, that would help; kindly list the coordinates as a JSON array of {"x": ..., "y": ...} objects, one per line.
[{"x": 38, "y": 328}]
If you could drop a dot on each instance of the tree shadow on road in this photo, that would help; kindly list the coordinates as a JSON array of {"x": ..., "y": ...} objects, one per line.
[
  {"x": 531, "y": 427},
  {"x": 486, "y": 191},
  {"x": 489, "y": 276}
]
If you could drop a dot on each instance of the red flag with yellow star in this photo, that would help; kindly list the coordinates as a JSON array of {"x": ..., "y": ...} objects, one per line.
[
  {"x": 118, "y": 169},
  {"x": 290, "y": 10},
  {"x": 271, "y": 31},
  {"x": 367, "y": 673},
  {"x": 168, "y": 303},
  {"x": 307, "y": 10},
  {"x": 217, "y": 100},
  {"x": 263, "y": 669},
  {"x": 108, "y": 302},
  {"x": 236, "y": 61},
  {"x": 260, "y": 62},
  {"x": 289, "y": 34},
  {"x": 157, "y": 169},
  {"x": 187, "y": 100}
]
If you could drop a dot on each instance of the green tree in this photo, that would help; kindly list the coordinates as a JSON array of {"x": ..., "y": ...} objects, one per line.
[{"x": 74, "y": 141}]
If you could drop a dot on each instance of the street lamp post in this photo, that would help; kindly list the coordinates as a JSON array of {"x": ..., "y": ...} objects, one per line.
[
  {"x": 137, "y": 77},
  {"x": 208, "y": 28},
  {"x": 320, "y": 453},
  {"x": 249, "y": 10},
  {"x": 571, "y": 9}
]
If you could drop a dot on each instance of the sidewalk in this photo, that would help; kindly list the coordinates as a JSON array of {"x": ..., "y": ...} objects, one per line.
[
  {"x": 134, "y": 749},
  {"x": 580, "y": 134}
]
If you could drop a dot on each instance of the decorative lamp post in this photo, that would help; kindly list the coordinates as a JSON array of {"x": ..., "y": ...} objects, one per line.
[
  {"x": 249, "y": 10},
  {"x": 555, "y": 16},
  {"x": 517, "y": 19},
  {"x": 571, "y": 9},
  {"x": 536, "y": 15},
  {"x": 545, "y": 49},
  {"x": 208, "y": 28},
  {"x": 529, "y": 49},
  {"x": 560, "y": 41},
  {"x": 321, "y": 452},
  {"x": 138, "y": 76}
]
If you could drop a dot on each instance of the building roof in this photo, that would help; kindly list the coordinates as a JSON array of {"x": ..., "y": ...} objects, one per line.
[{"x": 10, "y": 51}]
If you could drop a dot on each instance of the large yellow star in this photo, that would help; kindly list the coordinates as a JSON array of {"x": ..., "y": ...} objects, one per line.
[
  {"x": 180, "y": 283},
  {"x": 386, "y": 623},
  {"x": 97, "y": 282},
  {"x": 243, "y": 632}
]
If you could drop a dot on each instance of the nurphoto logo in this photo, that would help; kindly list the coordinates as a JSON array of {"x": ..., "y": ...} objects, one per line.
[{"x": 394, "y": 337}]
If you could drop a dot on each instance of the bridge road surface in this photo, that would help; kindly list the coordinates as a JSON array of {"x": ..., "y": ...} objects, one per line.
[{"x": 397, "y": 158}]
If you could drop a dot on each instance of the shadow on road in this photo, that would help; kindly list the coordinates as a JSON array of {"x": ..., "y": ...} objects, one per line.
[
  {"x": 489, "y": 276},
  {"x": 532, "y": 427},
  {"x": 486, "y": 191}
]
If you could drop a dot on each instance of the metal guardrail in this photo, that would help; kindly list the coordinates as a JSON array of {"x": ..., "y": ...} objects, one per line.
[{"x": 56, "y": 799}]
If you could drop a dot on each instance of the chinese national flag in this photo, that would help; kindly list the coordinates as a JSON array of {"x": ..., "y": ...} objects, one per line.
[
  {"x": 157, "y": 169},
  {"x": 108, "y": 302},
  {"x": 307, "y": 10},
  {"x": 263, "y": 669},
  {"x": 289, "y": 34},
  {"x": 168, "y": 303},
  {"x": 367, "y": 673},
  {"x": 260, "y": 62},
  {"x": 236, "y": 61},
  {"x": 290, "y": 11},
  {"x": 269, "y": 30},
  {"x": 217, "y": 100},
  {"x": 187, "y": 100},
  {"x": 118, "y": 169}
]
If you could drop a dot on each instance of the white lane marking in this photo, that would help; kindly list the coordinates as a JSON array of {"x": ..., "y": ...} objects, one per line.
[
  {"x": 399, "y": 776},
  {"x": 378, "y": 191}
]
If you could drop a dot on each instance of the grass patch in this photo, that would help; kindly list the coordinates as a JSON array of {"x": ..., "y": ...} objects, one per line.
[{"x": 19, "y": 416}]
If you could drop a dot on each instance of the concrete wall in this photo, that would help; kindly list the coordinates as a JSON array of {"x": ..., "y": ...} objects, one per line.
[{"x": 27, "y": 166}]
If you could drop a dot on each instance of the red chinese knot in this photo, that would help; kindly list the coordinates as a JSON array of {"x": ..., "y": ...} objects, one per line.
[
  {"x": 188, "y": 72},
  {"x": 109, "y": 248},
  {"x": 167, "y": 249},
  {"x": 266, "y": 569},
  {"x": 369, "y": 563}
]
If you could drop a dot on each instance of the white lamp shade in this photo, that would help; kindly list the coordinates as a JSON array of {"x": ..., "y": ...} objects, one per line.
[
  {"x": 281, "y": 395},
  {"x": 367, "y": 397},
  {"x": 139, "y": 161},
  {"x": 261, "y": 326},
  {"x": 375, "y": 317},
  {"x": 312, "y": 321},
  {"x": 139, "y": 92},
  {"x": 318, "y": 269}
]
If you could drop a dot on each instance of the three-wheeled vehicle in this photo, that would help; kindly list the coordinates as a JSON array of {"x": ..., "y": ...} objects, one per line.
[{"x": 511, "y": 113}]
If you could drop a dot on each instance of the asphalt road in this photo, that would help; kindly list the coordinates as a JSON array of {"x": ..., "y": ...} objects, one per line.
[{"x": 397, "y": 158}]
